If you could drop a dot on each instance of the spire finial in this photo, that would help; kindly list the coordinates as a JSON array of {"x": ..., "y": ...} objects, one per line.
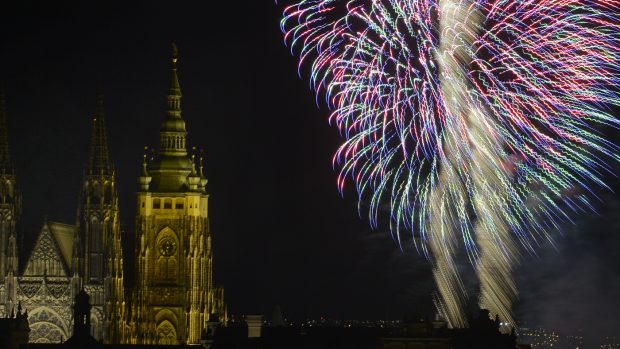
[
  {"x": 144, "y": 162},
  {"x": 5, "y": 155},
  {"x": 200, "y": 163},
  {"x": 173, "y": 132},
  {"x": 99, "y": 161},
  {"x": 175, "y": 55},
  {"x": 174, "y": 93},
  {"x": 145, "y": 179},
  {"x": 203, "y": 179},
  {"x": 193, "y": 173},
  {"x": 100, "y": 109}
]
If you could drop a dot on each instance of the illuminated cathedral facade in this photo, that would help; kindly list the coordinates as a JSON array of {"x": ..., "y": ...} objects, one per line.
[{"x": 173, "y": 299}]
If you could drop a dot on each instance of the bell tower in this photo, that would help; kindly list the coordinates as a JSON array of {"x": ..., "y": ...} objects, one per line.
[
  {"x": 10, "y": 210},
  {"x": 174, "y": 295},
  {"x": 100, "y": 265}
]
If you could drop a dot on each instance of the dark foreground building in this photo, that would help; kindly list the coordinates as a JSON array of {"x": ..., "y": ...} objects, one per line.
[
  {"x": 484, "y": 333},
  {"x": 14, "y": 330}
]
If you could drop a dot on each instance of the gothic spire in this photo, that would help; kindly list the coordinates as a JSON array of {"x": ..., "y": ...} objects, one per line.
[
  {"x": 6, "y": 165},
  {"x": 170, "y": 168},
  {"x": 172, "y": 141},
  {"x": 99, "y": 160},
  {"x": 174, "y": 93}
]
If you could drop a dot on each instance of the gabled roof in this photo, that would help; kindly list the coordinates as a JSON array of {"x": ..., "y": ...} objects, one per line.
[
  {"x": 64, "y": 235},
  {"x": 52, "y": 251}
]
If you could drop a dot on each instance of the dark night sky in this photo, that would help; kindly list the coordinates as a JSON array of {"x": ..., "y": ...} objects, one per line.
[{"x": 283, "y": 235}]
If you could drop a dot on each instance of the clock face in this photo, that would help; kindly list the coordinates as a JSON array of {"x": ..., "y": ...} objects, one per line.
[{"x": 167, "y": 247}]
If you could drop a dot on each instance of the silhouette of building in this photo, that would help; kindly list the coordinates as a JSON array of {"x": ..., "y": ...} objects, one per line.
[
  {"x": 482, "y": 333},
  {"x": 14, "y": 330},
  {"x": 81, "y": 323},
  {"x": 418, "y": 334},
  {"x": 174, "y": 298}
]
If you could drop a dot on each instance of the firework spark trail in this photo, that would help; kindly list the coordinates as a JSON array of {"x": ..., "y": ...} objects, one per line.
[
  {"x": 459, "y": 21},
  {"x": 498, "y": 254},
  {"x": 473, "y": 119}
]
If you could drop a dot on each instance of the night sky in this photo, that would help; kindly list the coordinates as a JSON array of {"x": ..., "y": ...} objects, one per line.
[{"x": 282, "y": 233}]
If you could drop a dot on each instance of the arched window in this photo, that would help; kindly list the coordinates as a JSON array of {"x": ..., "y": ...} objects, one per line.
[
  {"x": 166, "y": 333},
  {"x": 167, "y": 324},
  {"x": 96, "y": 192},
  {"x": 162, "y": 267},
  {"x": 172, "y": 268},
  {"x": 166, "y": 266},
  {"x": 107, "y": 193}
]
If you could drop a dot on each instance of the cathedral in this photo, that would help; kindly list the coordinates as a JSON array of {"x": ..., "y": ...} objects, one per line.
[{"x": 173, "y": 299}]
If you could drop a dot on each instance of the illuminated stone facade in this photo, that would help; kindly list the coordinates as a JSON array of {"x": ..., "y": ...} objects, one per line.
[
  {"x": 99, "y": 245},
  {"x": 65, "y": 258},
  {"x": 174, "y": 297},
  {"x": 10, "y": 210}
]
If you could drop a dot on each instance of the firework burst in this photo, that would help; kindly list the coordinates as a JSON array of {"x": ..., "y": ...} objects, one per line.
[{"x": 474, "y": 120}]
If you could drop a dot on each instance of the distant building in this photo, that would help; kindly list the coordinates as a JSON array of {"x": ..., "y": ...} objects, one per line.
[
  {"x": 482, "y": 333},
  {"x": 277, "y": 320},
  {"x": 539, "y": 338},
  {"x": 174, "y": 297},
  {"x": 611, "y": 342},
  {"x": 573, "y": 341}
]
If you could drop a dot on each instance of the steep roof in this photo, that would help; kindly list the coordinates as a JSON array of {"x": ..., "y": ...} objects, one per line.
[
  {"x": 172, "y": 165},
  {"x": 64, "y": 235}
]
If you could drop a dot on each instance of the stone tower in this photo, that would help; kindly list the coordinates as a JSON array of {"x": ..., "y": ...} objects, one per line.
[
  {"x": 10, "y": 210},
  {"x": 174, "y": 294},
  {"x": 97, "y": 257}
]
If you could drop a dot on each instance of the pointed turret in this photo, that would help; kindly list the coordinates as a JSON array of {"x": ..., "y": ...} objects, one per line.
[
  {"x": 144, "y": 179},
  {"x": 193, "y": 180},
  {"x": 172, "y": 164},
  {"x": 99, "y": 160},
  {"x": 6, "y": 165},
  {"x": 10, "y": 211},
  {"x": 100, "y": 249},
  {"x": 203, "y": 179},
  {"x": 173, "y": 131},
  {"x": 174, "y": 93}
]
